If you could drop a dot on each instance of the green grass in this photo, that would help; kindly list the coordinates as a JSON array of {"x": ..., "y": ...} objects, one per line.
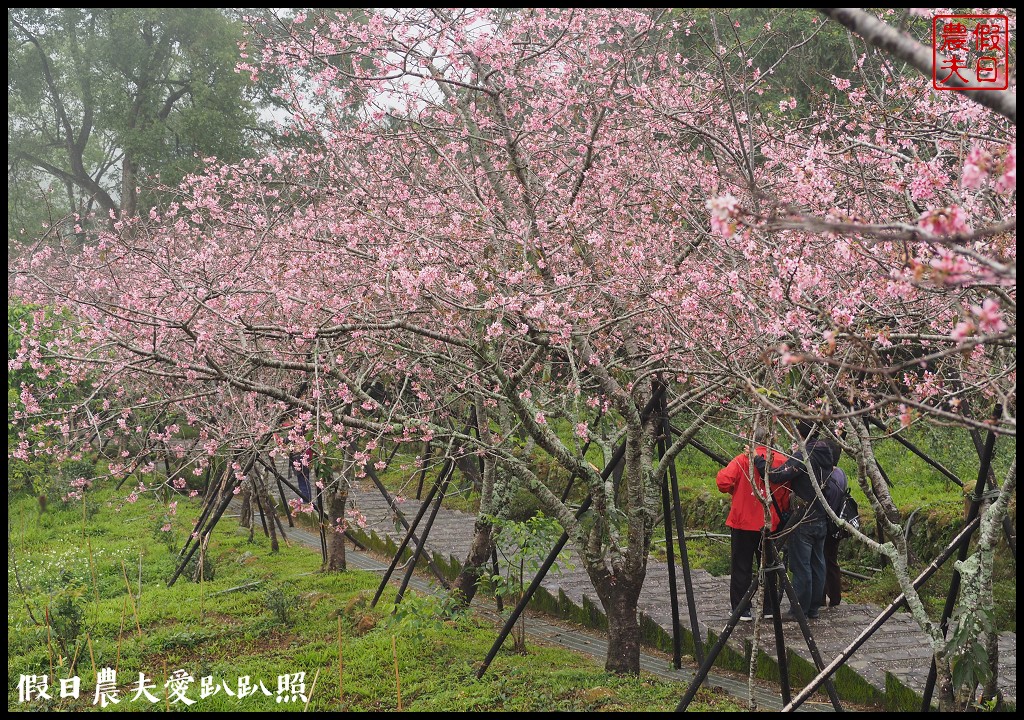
[{"x": 206, "y": 632}]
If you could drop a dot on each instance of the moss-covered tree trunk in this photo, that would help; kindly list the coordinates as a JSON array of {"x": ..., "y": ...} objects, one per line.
[{"x": 619, "y": 595}]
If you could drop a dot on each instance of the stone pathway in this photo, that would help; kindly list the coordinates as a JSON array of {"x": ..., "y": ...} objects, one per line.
[{"x": 896, "y": 654}]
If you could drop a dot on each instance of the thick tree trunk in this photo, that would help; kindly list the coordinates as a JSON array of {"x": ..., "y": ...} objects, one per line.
[
  {"x": 477, "y": 560},
  {"x": 620, "y": 606}
]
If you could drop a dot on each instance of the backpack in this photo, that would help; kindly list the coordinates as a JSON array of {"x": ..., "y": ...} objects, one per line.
[{"x": 847, "y": 510}]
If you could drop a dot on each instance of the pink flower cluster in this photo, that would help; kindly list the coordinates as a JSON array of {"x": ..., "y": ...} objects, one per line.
[
  {"x": 944, "y": 221},
  {"x": 723, "y": 209},
  {"x": 981, "y": 163}
]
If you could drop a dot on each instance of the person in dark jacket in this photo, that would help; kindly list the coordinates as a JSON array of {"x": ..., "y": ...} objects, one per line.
[
  {"x": 834, "y": 490},
  {"x": 746, "y": 517},
  {"x": 806, "y": 543}
]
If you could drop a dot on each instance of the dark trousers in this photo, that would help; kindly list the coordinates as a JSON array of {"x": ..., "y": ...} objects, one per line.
[
  {"x": 746, "y": 548},
  {"x": 833, "y": 582}
]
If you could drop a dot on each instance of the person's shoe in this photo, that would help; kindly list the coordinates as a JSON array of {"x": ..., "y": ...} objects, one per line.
[
  {"x": 745, "y": 616},
  {"x": 813, "y": 615},
  {"x": 767, "y": 615},
  {"x": 789, "y": 617}
]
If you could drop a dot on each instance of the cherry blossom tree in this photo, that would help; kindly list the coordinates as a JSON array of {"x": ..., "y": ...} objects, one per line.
[{"x": 541, "y": 217}]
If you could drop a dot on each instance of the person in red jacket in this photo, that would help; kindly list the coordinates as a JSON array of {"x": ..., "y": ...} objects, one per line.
[{"x": 746, "y": 516}]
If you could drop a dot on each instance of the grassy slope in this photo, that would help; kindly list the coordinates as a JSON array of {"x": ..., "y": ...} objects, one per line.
[{"x": 235, "y": 634}]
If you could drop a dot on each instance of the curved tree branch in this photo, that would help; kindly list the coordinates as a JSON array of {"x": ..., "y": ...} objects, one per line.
[{"x": 906, "y": 48}]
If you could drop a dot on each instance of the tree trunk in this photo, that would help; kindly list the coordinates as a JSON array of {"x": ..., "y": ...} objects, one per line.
[
  {"x": 271, "y": 514},
  {"x": 245, "y": 512},
  {"x": 336, "y": 540},
  {"x": 619, "y": 595},
  {"x": 479, "y": 556}
]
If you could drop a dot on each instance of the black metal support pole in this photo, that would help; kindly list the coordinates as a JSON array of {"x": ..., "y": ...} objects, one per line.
[
  {"x": 550, "y": 559},
  {"x": 954, "y": 585},
  {"x": 284, "y": 502},
  {"x": 355, "y": 540},
  {"x": 684, "y": 555},
  {"x": 495, "y": 569},
  {"x": 423, "y": 470},
  {"x": 960, "y": 540},
  {"x": 445, "y": 472},
  {"x": 677, "y": 640},
  {"x": 273, "y": 515},
  {"x": 210, "y": 502},
  {"x": 279, "y": 476},
  {"x": 426, "y": 531},
  {"x": 521, "y": 605},
  {"x": 805, "y": 629},
  {"x": 1008, "y": 531},
  {"x": 572, "y": 476},
  {"x": 405, "y": 523},
  {"x": 917, "y": 451},
  {"x": 723, "y": 461},
  {"x": 259, "y": 506},
  {"x": 211, "y": 523},
  {"x": 716, "y": 649},
  {"x": 318, "y": 496},
  {"x": 773, "y": 572}
]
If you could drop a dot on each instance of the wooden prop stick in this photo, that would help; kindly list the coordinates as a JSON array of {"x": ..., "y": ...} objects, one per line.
[
  {"x": 120, "y": 634},
  {"x": 49, "y": 642},
  {"x": 341, "y": 665},
  {"x": 398, "y": 681},
  {"x": 74, "y": 660},
  {"x": 92, "y": 657},
  {"x": 135, "y": 610},
  {"x": 312, "y": 689}
]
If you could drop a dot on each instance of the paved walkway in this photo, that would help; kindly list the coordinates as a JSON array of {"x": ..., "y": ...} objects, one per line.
[{"x": 898, "y": 651}]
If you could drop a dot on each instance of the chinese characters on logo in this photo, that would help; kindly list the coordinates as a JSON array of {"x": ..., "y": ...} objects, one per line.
[
  {"x": 970, "y": 52},
  {"x": 290, "y": 688}
]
